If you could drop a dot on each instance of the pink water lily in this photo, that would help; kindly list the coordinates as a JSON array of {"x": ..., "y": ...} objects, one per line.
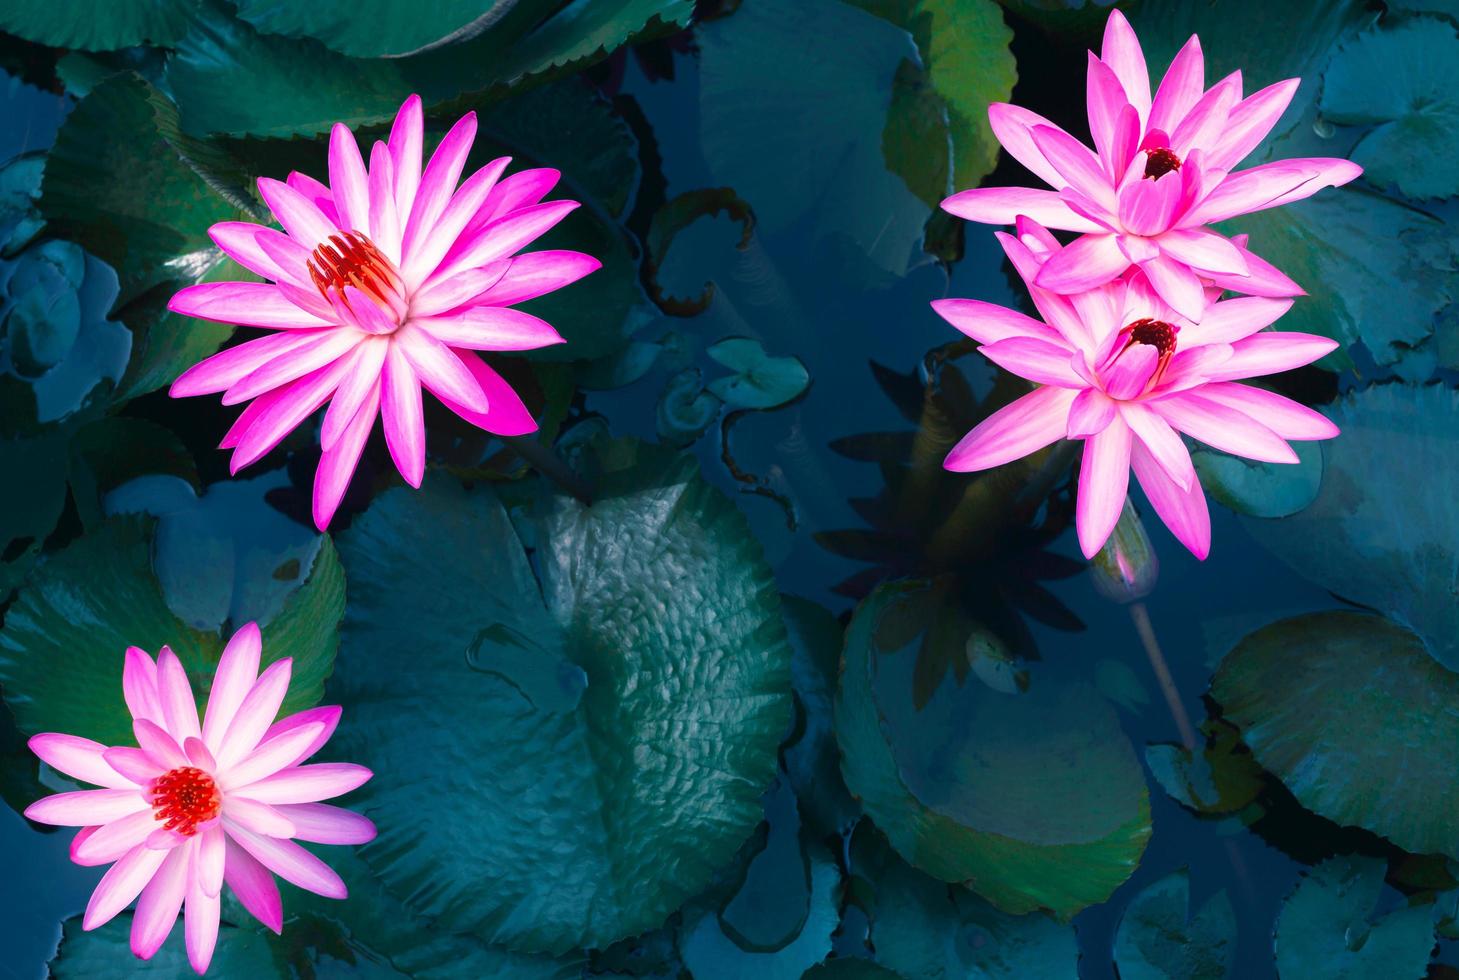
[
  {"x": 385, "y": 281},
  {"x": 1161, "y": 170},
  {"x": 1120, "y": 369},
  {"x": 195, "y": 805}
]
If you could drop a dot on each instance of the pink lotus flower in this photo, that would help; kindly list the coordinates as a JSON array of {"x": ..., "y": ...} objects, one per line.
[
  {"x": 1120, "y": 369},
  {"x": 197, "y": 805},
  {"x": 387, "y": 280},
  {"x": 1161, "y": 171}
]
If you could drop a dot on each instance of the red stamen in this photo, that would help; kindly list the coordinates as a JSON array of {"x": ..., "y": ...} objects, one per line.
[
  {"x": 1160, "y": 161},
  {"x": 184, "y": 798},
  {"x": 353, "y": 260},
  {"x": 1152, "y": 333}
]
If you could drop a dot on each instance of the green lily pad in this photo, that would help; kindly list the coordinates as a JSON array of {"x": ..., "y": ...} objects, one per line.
[
  {"x": 811, "y": 757},
  {"x": 97, "y": 25},
  {"x": 760, "y": 381},
  {"x": 1327, "y": 927},
  {"x": 802, "y": 147},
  {"x": 1221, "y": 779},
  {"x": 381, "y": 28},
  {"x": 1261, "y": 489},
  {"x": 107, "y": 952},
  {"x": 1034, "y": 800},
  {"x": 1332, "y": 704},
  {"x": 685, "y": 408},
  {"x": 626, "y": 701},
  {"x": 1161, "y": 937},
  {"x": 1396, "y": 552},
  {"x": 64, "y": 637},
  {"x": 20, "y": 188},
  {"x": 1401, "y": 80},
  {"x": 850, "y": 969}
]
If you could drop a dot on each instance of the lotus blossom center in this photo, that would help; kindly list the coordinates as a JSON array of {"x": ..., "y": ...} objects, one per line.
[
  {"x": 1151, "y": 333},
  {"x": 1160, "y": 161},
  {"x": 184, "y": 798},
  {"x": 352, "y": 259}
]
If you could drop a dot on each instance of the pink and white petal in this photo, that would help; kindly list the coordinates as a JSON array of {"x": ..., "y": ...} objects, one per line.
[
  {"x": 226, "y": 368},
  {"x": 296, "y": 403},
  {"x": 79, "y": 758},
  {"x": 428, "y": 249},
  {"x": 253, "y": 885},
  {"x": 538, "y": 273},
  {"x": 500, "y": 239},
  {"x": 1104, "y": 477},
  {"x": 162, "y": 839},
  {"x": 1036, "y": 360},
  {"x": 384, "y": 211},
  {"x": 247, "y": 417},
  {"x": 1056, "y": 310},
  {"x": 307, "y": 784},
  {"x": 290, "y": 862},
  {"x": 123, "y": 882},
  {"x": 1013, "y": 127},
  {"x": 1087, "y": 263},
  {"x": 1077, "y": 165},
  {"x": 1138, "y": 248},
  {"x": 249, "y": 304},
  {"x": 1203, "y": 250},
  {"x": 301, "y": 217},
  {"x": 160, "y": 903},
  {"x": 490, "y": 328},
  {"x": 236, "y": 673},
  {"x": 1163, "y": 443},
  {"x": 440, "y": 369},
  {"x": 507, "y": 416},
  {"x": 260, "y": 818},
  {"x": 1272, "y": 353},
  {"x": 988, "y": 323},
  {"x": 1003, "y": 205},
  {"x": 1179, "y": 89},
  {"x": 316, "y": 193},
  {"x": 139, "y": 684},
  {"x": 200, "y": 925},
  {"x": 1326, "y": 172},
  {"x": 308, "y": 299},
  {"x": 1177, "y": 285},
  {"x": 211, "y": 856},
  {"x": 521, "y": 190},
  {"x": 407, "y": 137},
  {"x": 197, "y": 753},
  {"x": 348, "y": 182},
  {"x": 321, "y": 350},
  {"x": 1148, "y": 207},
  {"x": 1105, "y": 101},
  {"x": 361, "y": 380},
  {"x": 326, "y": 715},
  {"x": 113, "y": 839},
  {"x": 258, "y": 710},
  {"x": 320, "y": 823},
  {"x": 179, "y": 707},
  {"x": 1131, "y": 372},
  {"x": 135, "y": 766},
  {"x": 1234, "y": 319},
  {"x": 1085, "y": 207},
  {"x": 1121, "y": 51},
  {"x": 403, "y": 416},
  {"x": 1090, "y": 414},
  {"x": 1262, "y": 278},
  {"x": 1183, "y": 511},
  {"x": 460, "y": 290},
  {"x": 1024, "y": 426},
  {"x": 1036, "y": 237},
  {"x": 1286, "y": 418},
  {"x": 1249, "y": 122},
  {"x": 1203, "y": 125},
  {"x": 437, "y": 184},
  {"x": 270, "y": 757},
  {"x": 158, "y": 745},
  {"x": 1099, "y": 310},
  {"x": 1193, "y": 366},
  {"x": 1222, "y": 427},
  {"x": 243, "y": 241}
]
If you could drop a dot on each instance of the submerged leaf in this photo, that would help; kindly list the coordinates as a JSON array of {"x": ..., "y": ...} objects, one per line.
[
  {"x": 760, "y": 381},
  {"x": 1161, "y": 937}
]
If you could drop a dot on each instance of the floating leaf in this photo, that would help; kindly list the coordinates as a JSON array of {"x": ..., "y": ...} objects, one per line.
[
  {"x": 676, "y": 215},
  {"x": 685, "y": 408},
  {"x": 62, "y": 647},
  {"x": 1221, "y": 779},
  {"x": 1034, "y": 801},
  {"x": 760, "y": 381},
  {"x": 811, "y": 757},
  {"x": 1161, "y": 937},
  {"x": 654, "y": 632},
  {"x": 1401, "y": 80},
  {"x": 102, "y": 952},
  {"x": 1259, "y": 489},
  {"x": 1328, "y": 929},
  {"x": 1396, "y": 552},
  {"x": 1331, "y": 704},
  {"x": 97, "y": 25},
  {"x": 383, "y": 28},
  {"x": 850, "y": 969}
]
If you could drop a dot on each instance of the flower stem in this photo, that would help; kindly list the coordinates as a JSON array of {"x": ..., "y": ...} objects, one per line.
[
  {"x": 546, "y": 461},
  {"x": 1146, "y": 629}
]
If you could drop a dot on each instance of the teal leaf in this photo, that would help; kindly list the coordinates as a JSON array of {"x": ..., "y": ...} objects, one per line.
[
  {"x": 1259, "y": 489},
  {"x": 383, "y": 28},
  {"x": 106, "y": 952},
  {"x": 811, "y": 757},
  {"x": 1330, "y": 703},
  {"x": 1162, "y": 937},
  {"x": 760, "y": 381},
  {"x": 685, "y": 408},
  {"x": 62, "y": 646},
  {"x": 596, "y": 817},
  {"x": 1220, "y": 778},
  {"x": 1401, "y": 81},
  {"x": 1327, "y": 927},
  {"x": 97, "y": 25},
  {"x": 939, "y": 779}
]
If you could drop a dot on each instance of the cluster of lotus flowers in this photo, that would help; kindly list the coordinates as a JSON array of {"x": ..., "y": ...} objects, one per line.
[
  {"x": 390, "y": 278},
  {"x": 1136, "y": 345}
]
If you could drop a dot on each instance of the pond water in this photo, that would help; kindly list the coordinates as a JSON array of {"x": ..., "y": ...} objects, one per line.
[{"x": 788, "y": 109}]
